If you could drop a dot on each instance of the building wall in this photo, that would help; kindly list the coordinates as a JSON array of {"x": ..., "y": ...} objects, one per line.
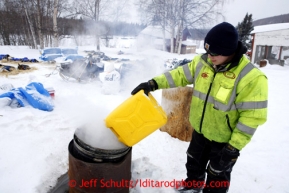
[
  {"x": 270, "y": 38},
  {"x": 188, "y": 49}
]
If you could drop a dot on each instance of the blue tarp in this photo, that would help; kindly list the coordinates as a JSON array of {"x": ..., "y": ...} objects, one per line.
[
  {"x": 51, "y": 51},
  {"x": 15, "y": 59},
  {"x": 68, "y": 51},
  {"x": 49, "y": 54},
  {"x": 25, "y": 59},
  {"x": 49, "y": 57},
  {"x": 2, "y": 56},
  {"x": 33, "y": 94},
  {"x": 73, "y": 57}
]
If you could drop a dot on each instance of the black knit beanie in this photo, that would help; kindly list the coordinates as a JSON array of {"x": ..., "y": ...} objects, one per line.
[{"x": 222, "y": 39}]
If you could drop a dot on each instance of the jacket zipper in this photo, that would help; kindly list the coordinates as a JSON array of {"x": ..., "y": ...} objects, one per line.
[
  {"x": 228, "y": 122},
  {"x": 205, "y": 104}
]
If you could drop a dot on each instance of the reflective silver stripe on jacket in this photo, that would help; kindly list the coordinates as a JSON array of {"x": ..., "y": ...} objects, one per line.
[
  {"x": 252, "y": 105},
  {"x": 245, "y": 128},
  {"x": 188, "y": 73},
  {"x": 198, "y": 69},
  {"x": 170, "y": 79},
  {"x": 223, "y": 107}
]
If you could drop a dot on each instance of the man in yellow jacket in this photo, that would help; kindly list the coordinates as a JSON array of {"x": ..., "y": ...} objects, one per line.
[{"x": 229, "y": 102}]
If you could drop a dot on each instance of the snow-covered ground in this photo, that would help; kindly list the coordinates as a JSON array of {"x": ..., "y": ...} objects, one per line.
[{"x": 34, "y": 143}]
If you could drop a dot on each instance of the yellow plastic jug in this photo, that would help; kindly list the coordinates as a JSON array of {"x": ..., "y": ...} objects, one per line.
[{"x": 136, "y": 118}]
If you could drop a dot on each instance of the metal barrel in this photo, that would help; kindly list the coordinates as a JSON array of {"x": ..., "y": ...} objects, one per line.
[{"x": 104, "y": 174}]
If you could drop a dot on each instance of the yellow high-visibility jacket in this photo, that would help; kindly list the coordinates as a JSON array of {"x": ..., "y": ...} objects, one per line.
[{"x": 227, "y": 106}]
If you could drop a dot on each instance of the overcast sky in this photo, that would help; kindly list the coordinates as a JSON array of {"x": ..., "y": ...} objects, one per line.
[{"x": 236, "y": 10}]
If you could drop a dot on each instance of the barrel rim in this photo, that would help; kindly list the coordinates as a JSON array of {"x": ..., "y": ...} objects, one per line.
[{"x": 99, "y": 153}]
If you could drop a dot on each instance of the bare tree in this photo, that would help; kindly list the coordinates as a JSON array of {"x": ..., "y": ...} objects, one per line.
[
  {"x": 164, "y": 13},
  {"x": 4, "y": 25},
  {"x": 179, "y": 36},
  {"x": 155, "y": 12},
  {"x": 55, "y": 29},
  {"x": 90, "y": 9},
  {"x": 36, "y": 22},
  {"x": 198, "y": 13},
  {"x": 178, "y": 14},
  {"x": 173, "y": 12},
  {"x": 25, "y": 6},
  {"x": 118, "y": 11},
  {"x": 39, "y": 23}
]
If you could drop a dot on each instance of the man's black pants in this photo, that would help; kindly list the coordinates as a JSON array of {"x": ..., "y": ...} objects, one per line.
[{"x": 200, "y": 154}]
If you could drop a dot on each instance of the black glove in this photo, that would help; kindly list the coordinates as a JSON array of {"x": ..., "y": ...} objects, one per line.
[
  {"x": 148, "y": 86},
  {"x": 228, "y": 156}
]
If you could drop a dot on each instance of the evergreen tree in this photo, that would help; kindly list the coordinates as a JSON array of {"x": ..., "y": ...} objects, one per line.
[{"x": 244, "y": 29}]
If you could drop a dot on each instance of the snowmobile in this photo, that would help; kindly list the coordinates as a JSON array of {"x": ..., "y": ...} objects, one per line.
[{"x": 82, "y": 70}]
